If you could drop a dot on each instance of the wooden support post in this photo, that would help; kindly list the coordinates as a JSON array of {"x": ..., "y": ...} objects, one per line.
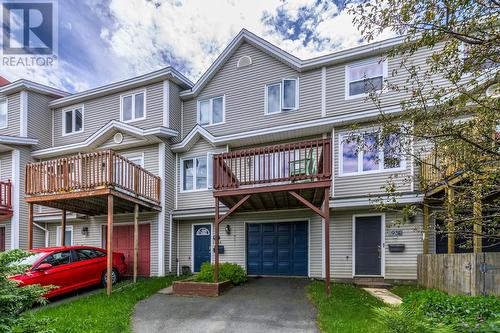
[
  {"x": 326, "y": 216},
  {"x": 450, "y": 223},
  {"x": 477, "y": 229},
  {"x": 30, "y": 226},
  {"x": 426, "y": 217},
  {"x": 216, "y": 241},
  {"x": 136, "y": 239},
  {"x": 109, "y": 245},
  {"x": 63, "y": 227}
]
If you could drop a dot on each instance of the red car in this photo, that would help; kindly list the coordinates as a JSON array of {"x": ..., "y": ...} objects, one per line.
[{"x": 70, "y": 268}]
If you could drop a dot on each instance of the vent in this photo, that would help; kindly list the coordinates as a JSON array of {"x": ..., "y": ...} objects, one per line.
[
  {"x": 244, "y": 61},
  {"x": 118, "y": 138}
]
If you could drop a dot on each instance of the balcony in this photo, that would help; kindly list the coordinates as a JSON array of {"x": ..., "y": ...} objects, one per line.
[
  {"x": 82, "y": 182},
  {"x": 5, "y": 200},
  {"x": 273, "y": 175}
]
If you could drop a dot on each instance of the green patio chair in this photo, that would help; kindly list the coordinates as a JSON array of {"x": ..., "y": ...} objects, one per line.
[{"x": 304, "y": 167}]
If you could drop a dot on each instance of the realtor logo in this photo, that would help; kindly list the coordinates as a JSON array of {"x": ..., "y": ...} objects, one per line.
[{"x": 29, "y": 32}]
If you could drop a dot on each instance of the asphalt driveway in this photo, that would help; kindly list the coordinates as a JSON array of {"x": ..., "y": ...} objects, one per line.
[{"x": 260, "y": 305}]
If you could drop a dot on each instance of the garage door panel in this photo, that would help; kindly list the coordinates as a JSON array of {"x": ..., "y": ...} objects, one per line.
[
  {"x": 123, "y": 241},
  {"x": 277, "y": 248}
]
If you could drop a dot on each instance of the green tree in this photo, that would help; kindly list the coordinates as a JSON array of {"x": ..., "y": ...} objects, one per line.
[
  {"x": 14, "y": 299},
  {"x": 452, "y": 113}
]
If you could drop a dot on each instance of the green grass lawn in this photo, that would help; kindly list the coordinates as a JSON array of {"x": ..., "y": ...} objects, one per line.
[
  {"x": 348, "y": 309},
  {"x": 404, "y": 290},
  {"x": 98, "y": 312}
]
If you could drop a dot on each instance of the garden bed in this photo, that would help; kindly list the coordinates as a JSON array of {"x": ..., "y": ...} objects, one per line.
[{"x": 196, "y": 288}]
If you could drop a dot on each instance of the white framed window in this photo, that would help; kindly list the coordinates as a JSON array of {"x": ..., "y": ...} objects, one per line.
[
  {"x": 196, "y": 173},
  {"x": 364, "y": 77},
  {"x": 72, "y": 120},
  {"x": 282, "y": 96},
  {"x": 133, "y": 106},
  {"x": 212, "y": 110},
  {"x": 365, "y": 153},
  {"x": 68, "y": 236},
  {"x": 3, "y": 113}
]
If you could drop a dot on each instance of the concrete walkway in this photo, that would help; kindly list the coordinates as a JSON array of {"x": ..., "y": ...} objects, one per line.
[
  {"x": 385, "y": 295},
  {"x": 260, "y": 305}
]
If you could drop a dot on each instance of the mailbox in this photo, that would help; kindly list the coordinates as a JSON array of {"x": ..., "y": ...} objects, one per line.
[
  {"x": 221, "y": 249},
  {"x": 396, "y": 247}
]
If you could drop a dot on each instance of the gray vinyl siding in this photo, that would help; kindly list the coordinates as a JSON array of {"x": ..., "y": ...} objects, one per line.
[
  {"x": 369, "y": 183},
  {"x": 175, "y": 109},
  {"x": 127, "y": 139},
  {"x": 6, "y": 224},
  {"x": 244, "y": 90},
  {"x": 195, "y": 199},
  {"x": 38, "y": 237},
  {"x": 25, "y": 158},
  {"x": 98, "y": 112},
  {"x": 39, "y": 120},
  {"x": 13, "y": 115},
  {"x": 5, "y": 166},
  {"x": 169, "y": 180}
]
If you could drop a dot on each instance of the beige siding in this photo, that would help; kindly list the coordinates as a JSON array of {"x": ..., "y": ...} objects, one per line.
[
  {"x": 175, "y": 110},
  {"x": 39, "y": 120},
  {"x": 13, "y": 115},
  {"x": 25, "y": 158},
  {"x": 98, "y": 112},
  {"x": 6, "y": 165},
  {"x": 195, "y": 199},
  {"x": 244, "y": 90}
]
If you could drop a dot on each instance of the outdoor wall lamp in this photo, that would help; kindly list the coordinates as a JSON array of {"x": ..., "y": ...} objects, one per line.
[
  {"x": 85, "y": 231},
  {"x": 228, "y": 229}
]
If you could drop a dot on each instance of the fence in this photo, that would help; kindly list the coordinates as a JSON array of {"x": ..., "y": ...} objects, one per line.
[{"x": 460, "y": 273}]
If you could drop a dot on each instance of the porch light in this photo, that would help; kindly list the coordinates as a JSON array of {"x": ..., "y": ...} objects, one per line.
[
  {"x": 228, "y": 229},
  {"x": 85, "y": 231}
]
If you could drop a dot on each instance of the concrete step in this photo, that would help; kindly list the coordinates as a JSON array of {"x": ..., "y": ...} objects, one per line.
[{"x": 371, "y": 282}]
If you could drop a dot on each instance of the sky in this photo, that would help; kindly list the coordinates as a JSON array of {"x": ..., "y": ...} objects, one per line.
[{"x": 103, "y": 41}]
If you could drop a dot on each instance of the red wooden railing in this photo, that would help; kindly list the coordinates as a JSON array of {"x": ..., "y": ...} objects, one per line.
[
  {"x": 289, "y": 162},
  {"x": 86, "y": 172},
  {"x": 6, "y": 195}
]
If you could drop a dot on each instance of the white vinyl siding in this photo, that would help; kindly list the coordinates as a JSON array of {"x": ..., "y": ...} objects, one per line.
[
  {"x": 73, "y": 120},
  {"x": 211, "y": 111},
  {"x": 365, "y": 77},
  {"x": 3, "y": 113},
  {"x": 282, "y": 96},
  {"x": 133, "y": 106}
]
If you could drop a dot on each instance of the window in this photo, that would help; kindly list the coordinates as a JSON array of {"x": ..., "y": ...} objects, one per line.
[
  {"x": 68, "y": 236},
  {"x": 87, "y": 254},
  {"x": 3, "y": 113},
  {"x": 73, "y": 120},
  {"x": 364, "y": 78},
  {"x": 196, "y": 173},
  {"x": 364, "y": 153},
  {"x": 58, "y": 258},
  {"x": 133, "y": 106},
  {"x": 282, "y": 96},
  {"x": 211, "y": 111}
]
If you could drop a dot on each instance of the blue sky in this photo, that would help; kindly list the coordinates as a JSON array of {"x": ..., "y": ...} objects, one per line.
[{"x": 101, "y": 41}]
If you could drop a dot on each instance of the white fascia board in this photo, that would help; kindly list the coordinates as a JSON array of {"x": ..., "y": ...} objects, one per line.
[
  {"x": 16, "y": 140},
  {"x": 374, "y": 200},
  {"x": 31, "y": 86}
]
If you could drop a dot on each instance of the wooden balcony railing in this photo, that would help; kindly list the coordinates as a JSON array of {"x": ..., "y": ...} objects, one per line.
[
  {"x": 87, "y": 172},
  {"x": 284, "y": 163},
  {"x": 6, "y": 195},
  {"x": 435, "y": 169}
]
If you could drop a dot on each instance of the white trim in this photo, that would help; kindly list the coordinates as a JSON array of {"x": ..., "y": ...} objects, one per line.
[
  {"x": 177, "y": 189},
  {"x": 16, "y": 181},
  {"x": 73, "y": 119},
  {"x": 177, "y": 249},
  {"x": 382, "y": 242},
  {"x": 58, "y": 235},
  {"x": 195, "y": 184},
  {"x": 6, "y": 100},
  {"x": 281, "y": 85},
  {"x": 166, "y": 103},
  {"x": 170, "y": 239},
  {"x": 23, "y": 118},
  {"x": 323, "y": 268},
  {"x": 364, "y": 62},
  {"x": 46, "y": 233},
  {"x": 211, "y": 243},
  {"x": 32, "y": 86},
  {"x": 367, "y": 201},
  {"x": 210, "y": 101},
  {"x": 182, "y": 118},
  {"x": 133, "y": 94},
  {"x": 53, "y": 125},
  {"x": 323, "y": 91},
  {"x": 161, "y": 218},
  {"x": 15, "y": 140},
  {"x": 333, "y": 163},
  {"x": 134, "y": 155}
]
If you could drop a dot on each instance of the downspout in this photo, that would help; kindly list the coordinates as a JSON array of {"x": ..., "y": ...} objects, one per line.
[
  {"x": 46, "y": 233},
  {"x": 177, "y": 251},
  {"x": 170, "y": 220}
]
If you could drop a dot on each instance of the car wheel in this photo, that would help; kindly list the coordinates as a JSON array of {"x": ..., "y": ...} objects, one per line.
[{"x": 114, "y": 277}]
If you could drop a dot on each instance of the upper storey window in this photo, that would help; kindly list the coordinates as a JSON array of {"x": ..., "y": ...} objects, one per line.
[
  {"x": 365, "y": 77},
  {"x": 3, "y": 113},
  {"x": 133, "y": 106},
  {"x": 365, "y": 153},
  {"x": 211, "y": 111},
  {"x": 282, "y": 96},
  {"x": 73, "y": 120}
]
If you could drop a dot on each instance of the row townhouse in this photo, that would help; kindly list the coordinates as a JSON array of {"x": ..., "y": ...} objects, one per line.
[{"x": 273, "y": 124}]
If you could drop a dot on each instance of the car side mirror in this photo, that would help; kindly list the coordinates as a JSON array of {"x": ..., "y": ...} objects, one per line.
[{"x": 43, "y": 267}]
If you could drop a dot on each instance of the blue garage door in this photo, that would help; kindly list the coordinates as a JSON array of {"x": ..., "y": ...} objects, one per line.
[{"x": 277, "y": 248}]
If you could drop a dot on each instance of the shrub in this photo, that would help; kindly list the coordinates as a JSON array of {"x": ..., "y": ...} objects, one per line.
[
  {"x": 405, "y": 320},
  {"x": 227, "y": 271}
]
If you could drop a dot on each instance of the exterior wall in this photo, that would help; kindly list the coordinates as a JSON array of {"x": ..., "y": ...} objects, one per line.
[
  {"x": 98, "y": 112},
  {"x": 195, "y": 199},
  {"x": 13, "y": 115},
  {"x": 6, "y": 174},
  {"x": 25, "y": 158},
  {"x": 397, "y": 265},
  {"x": 175, "y": 110},
  {"x": 244, "y": 90},
  {"x": 39, "y": 120}
]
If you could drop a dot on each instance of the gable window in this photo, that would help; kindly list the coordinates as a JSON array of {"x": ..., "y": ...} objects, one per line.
[
  {"x": 197, "y": 173},
  {"x": 3, "y": 113},
  {"x": 364, "y": 153},
  {"x": 133, "y": 106},
  {"x": 282, "y": 96},
  {"x": 73, "y": 120},
  {"x": 363, "y": 78},
  {"x": 211, "y": 111}
]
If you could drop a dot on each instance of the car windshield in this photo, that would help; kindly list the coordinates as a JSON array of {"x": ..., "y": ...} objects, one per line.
[{"x": 29, "y": 261}]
